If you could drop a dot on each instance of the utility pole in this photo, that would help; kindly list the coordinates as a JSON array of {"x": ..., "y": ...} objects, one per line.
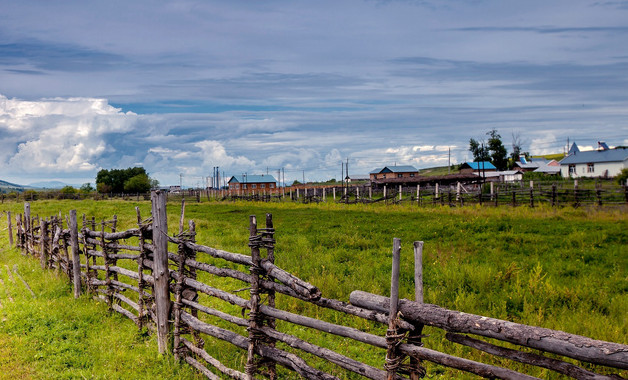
[
  {"x": 342, "y": 173},
  {"x": 449, "y": 161},
  {"x": 304, "y": 177}
]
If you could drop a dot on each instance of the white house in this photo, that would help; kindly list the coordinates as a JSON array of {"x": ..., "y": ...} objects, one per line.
[{"x": 595, "y": 163}]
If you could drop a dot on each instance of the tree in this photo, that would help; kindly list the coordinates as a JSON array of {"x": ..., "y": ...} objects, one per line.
[
  {"x": 87, "y": 188},
  {"x": 622, "y": 176},
  {"x": 68, "y": 190},
  {"x": 137, "y": 184},
  {"x": 499, "y": 155},
  {"x": 479, "y": 151},
  {"x": 114, "y": 180}
]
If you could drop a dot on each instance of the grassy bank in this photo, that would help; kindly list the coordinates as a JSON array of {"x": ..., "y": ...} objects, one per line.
[{"x": 563, "y": 269}]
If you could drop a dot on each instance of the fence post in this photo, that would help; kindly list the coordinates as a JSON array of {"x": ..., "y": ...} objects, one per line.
[
  {"x": 160, "y": 268},
  {"x": 10, "y": 229},
  {"x": 554, "y": 195},
  {"x": 400, "y": 192},
  {"x": 27, "y": 227},
  {"x": 414, "y": 337},
  {"x": 268, "y": 239},
  {"x": 43, "y": 235},
  {"x": 392, "y": 358},
  {"x": 76, "y": 260},
  {"x": 254, "y": 316}
]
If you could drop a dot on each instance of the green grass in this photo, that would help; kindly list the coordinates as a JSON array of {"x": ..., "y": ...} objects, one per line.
[{"x": 564, "y": 269}]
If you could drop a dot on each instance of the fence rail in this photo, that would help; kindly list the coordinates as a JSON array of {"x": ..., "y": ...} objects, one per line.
[{"x": 162, "y": 282}]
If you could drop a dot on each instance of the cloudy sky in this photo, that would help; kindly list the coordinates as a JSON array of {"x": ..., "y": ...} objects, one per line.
[{"x": 183, "y": 86}]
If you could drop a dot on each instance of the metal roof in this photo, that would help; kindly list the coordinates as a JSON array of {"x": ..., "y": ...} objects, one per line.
[
  {"x": 376, "y": 171},
  {"x": 592, "y": 156},
  {"x": 264, "y": 178},
  {"x": 480, "y": 165},
  {"x": 399, "y": 169}
]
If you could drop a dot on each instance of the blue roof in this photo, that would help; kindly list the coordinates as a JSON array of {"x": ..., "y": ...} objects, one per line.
[
  {"x": 592, "y": 156},
  {"x": 480, "y": 165},
  {"x": 253, "y": 179},
  {"x": 375, "y": 171}
]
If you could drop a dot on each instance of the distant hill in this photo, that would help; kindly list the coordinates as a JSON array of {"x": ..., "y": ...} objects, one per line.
[
  {"x": 51, "y": 185},
  {"x": 7, "y": 187}
]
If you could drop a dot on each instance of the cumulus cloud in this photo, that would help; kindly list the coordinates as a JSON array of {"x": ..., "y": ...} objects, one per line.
[{"x": 58, "y": 135}]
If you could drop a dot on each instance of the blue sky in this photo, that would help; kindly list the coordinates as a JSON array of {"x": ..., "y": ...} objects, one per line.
[{"x": 181, "y": 87}]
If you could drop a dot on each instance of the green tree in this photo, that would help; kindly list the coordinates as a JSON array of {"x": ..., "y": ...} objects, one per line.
[
  {"x": 499, "y": 155},
  {"x": 87, "y": 188},
  {"x": 68, "y": 190},
  {"x": 114, "y": 180},
  {"x": 622, "y": 176},
  {"x": 479, "y": 151},
  {"x": 137, "y": 184}
]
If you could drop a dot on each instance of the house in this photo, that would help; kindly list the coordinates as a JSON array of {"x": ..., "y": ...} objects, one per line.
[
  {"x": 252, "y": 183},
  {"x": 550, "y": 168},
  {"x": 358, "y": 177},
  {"x": 595, "y": 163},
  {"x": 387, "y": 172},
  {"x": 503, "y": 176},
  {"x": 477, "y": 167},
  {"x": 531, "y": 164}
]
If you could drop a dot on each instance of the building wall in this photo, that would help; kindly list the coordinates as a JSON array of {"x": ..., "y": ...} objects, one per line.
[
  {"x": 394, "y": 175},
  {"x": 599, "y": 169}
]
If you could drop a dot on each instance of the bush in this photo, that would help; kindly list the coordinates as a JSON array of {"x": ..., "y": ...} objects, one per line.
[{"x": 622, "y": 177}]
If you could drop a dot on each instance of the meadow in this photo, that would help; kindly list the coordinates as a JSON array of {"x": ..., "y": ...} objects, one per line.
[{"x": 560, "y": 268}]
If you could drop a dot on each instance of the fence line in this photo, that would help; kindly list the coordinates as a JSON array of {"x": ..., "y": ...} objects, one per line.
[{"x": 162, "y": 293}]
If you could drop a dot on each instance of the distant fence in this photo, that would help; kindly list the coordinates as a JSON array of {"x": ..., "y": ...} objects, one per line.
[
  {"x": 560, "y": 193},
  {"x": 156, "y": 280}
]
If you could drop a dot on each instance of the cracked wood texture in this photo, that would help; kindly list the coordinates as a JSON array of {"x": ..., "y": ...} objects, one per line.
[{"x": 554, "y": 341}]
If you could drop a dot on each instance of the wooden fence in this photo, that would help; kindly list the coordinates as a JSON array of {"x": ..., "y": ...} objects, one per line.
[{"x": 155, "y": 279}]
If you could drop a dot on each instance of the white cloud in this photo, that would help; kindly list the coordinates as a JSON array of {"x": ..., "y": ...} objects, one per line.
[{"x": 58, "y": 135}]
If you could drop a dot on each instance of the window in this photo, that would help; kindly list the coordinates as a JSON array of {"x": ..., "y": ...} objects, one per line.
[
  {"x": 399, "y": 175},
  {"x": 411, "y": 174},
  {"x": 244, "y": 186},
  {"x": 272, "y": 185},
  {"x": 253, "y": 186},
  {"x": 263, "y": 185},
  {"x": 384, "y": 176},
  {"x": 572, "y": 169},
  {"x": 590, "y": 168}
]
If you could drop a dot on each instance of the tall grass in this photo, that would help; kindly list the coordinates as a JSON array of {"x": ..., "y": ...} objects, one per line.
[{"x": 562, "y": 268}]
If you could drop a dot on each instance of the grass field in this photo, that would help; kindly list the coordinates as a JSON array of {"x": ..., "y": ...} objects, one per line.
[{"x": 563, "y": 269}]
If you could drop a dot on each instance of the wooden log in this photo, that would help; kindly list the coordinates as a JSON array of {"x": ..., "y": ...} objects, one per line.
[
  {"x": 160, "y": 272},
  {"x": 283, "y": 358},
  {"x": 284, "y": 289},
  {"x": 298, "y": 285},
  {"x": 10, "y": 227},
  {"x": 133, "y": 232},
  {"x": 317, "y": 324},
  {"x": 568, "y": 369},
  {"x": 22, "y": 279},
  {"x": 201, "y": 368},
  {"x": 554, "y": 341},
  {"x": 125, "y": 272},
  {"x": 480, "y": 369},
  {"x": 255, "y": 320},
  {"x": 76, "y": 263},
  {"x": 327, "y": 354},
  {"x": 43, "y": 253},
  {"x": 209, "y": 359},
  {"x": 391, "y": 343}
]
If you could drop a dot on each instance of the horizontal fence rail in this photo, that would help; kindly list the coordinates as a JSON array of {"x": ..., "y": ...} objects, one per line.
[{"x": 163, "y": 282}]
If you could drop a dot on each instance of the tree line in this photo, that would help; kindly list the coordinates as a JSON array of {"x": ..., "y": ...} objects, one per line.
[{"x": 130, "y": 180}]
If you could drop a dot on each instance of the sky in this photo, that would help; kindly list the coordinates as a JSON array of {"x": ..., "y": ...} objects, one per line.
[{"x": 181, "y": 87}]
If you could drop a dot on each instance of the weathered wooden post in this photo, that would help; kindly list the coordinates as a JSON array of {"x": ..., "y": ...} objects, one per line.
[
  {"x": 458, "y": 190},
  {"x": 76, "y": 260},
  {"x": 27, "y": 227},
  {"x": 418, "y": 195},
  {"x": 160, "y": 269},
  {"x": 414, "y": 337},
  {"x": 334, "y": 193},
  {"x": 10, "y": 229},
  {"x": 492, "y": 190},
  {"x": 576, "y": 201},
  {"x": 43, "y": 236},
  {"x": 254, "y": 316},
  {"x": 370, "y": 192},
  {"x": 554, "y": 195},
  {"x": 268, "y": 239},
  {"x": 400, "y": 192},
  {"x": 392, "y": 360}
]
